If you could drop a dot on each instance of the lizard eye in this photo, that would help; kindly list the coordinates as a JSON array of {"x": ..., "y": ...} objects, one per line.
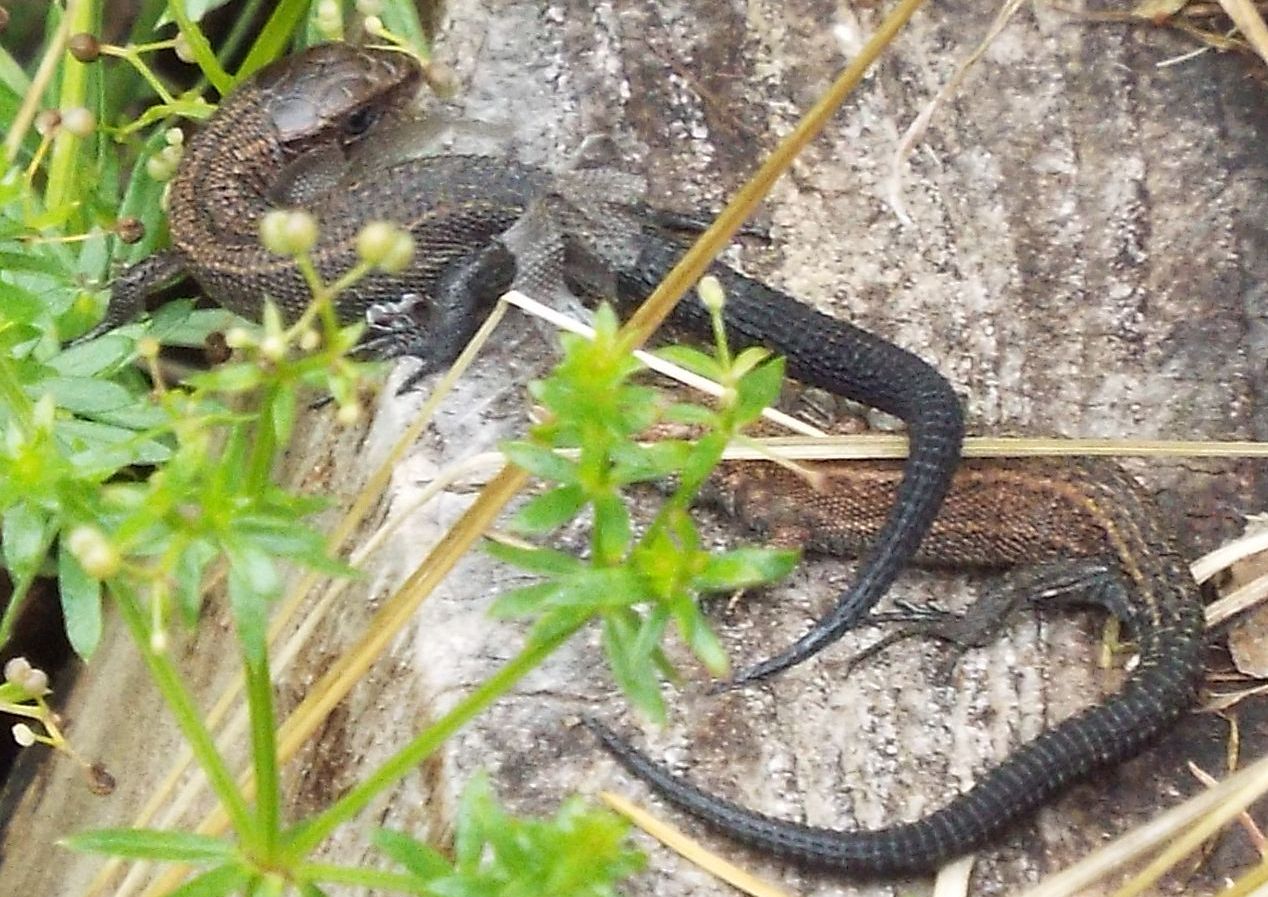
[{"x": 359, "y": 121}]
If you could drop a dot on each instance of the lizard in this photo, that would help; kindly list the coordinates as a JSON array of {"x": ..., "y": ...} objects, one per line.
[
  {"x": 484, "y": 224},
  {"x": 481, "y": 225}
]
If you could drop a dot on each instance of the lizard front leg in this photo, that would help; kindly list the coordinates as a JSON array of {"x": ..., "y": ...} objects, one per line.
[
  {"x": 136, "y": 284},
  {"x": 434, "y": 328}
]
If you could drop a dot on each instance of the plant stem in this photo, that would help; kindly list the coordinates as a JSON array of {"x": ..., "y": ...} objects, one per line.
[
  {"x": 259, "y": 692},
  {"x": 203, "y": 54},
  {"x": 263, "y": 450},
  {"x": 17, "y": 597},
  {"x": 64, "y": 162},
  {"x": 181, "y": 704},
  {"x": 238, "y": 32},
  {"x": 273, "y": 37},
  {"x": 306, "y": 837}
]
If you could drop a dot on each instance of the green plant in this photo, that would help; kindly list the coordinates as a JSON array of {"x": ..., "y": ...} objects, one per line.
[{"x": 130, "y": 490}]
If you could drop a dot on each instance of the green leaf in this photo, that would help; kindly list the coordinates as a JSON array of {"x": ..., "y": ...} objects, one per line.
[
  {"x": 35, "y": 262},
  {"x": 190, "y": 566},
  {"x": 401, "y": 17},
  {"x": 541, "y": 461},
  {"x": 634, "y": 463},
  {"x": 695, "y": 631},
  {"x": 93, "y": 357},
  {"x": 693, "y": 360},
  {"x": 85, "y": 395},
  {"x": 476, "y": 810},
  {"x": 758, "y": 389},
  {"x": 180, "y": 324},
  {"x": 525, "y": 601},
  {"x": 556, "y": 623},
  {"x": 581, "y": 852},
  {"x": 550, "y": 510},
  {"x": 662, "y": 559},
  {"x": 143, "y": 416},
  {"x": 266, "y": 885},
  {"x": 80, "y": 595},
  {"x": 744, "y": 567},
  {"x": 611, "y": 529},
  {"x": 418, "y": 858},
  {"x": 24, "y": 540},
  {"x": 638, "y": 408},
  {"x": 694, "y": 415},
  {"x": 631, "y": 666},
  {"x": 99, "y": 446},
  {"x": 284, "y": 404},
  {"x": 601, "y": 587},
  {"x": 227, "y": 879},
  {"x": 19, "y": 306},
  {"x": 281, "y": 535},
  {"x": 747, "y": 360},
  {"x": 583, "y": 591},
  {"x": 230, "y": 378},
  {"x": 705, "y": 455},
  {"x": 273, "y": 37},
  {"x": 546, "y": 561},
  {"x": 152, "y": 844}
]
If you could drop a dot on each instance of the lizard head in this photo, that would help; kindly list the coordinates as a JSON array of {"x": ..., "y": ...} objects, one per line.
[{"x": 333, "y": 95}]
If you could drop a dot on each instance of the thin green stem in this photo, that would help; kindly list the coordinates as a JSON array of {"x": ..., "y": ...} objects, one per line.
[
  {"x": 64, "y": 166},
  {"x": 263, "y": 450},
  {"x": 315, "y": 285},
  {"x": 305, "y": 838},
  {"x": 719, "y": 338},
  {"x": 242, "y": 26},
  {"x": 323, "y": 304},
  {"x": 17, "y": 598},
  {"x": 131, "y": 55},
  {"x": 259, "y": 692},
  {"x": 348, "y": 278},
  {"x": 203, "y": 54},
  {"x": 150, "y": 47},
  {"x": 181, "y": 704}
]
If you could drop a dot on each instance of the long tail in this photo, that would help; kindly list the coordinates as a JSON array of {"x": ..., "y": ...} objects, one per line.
[{"x": 1161, "y": 689}]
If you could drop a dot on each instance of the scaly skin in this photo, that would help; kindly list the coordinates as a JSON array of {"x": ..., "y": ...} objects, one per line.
[{"x": 462, "y": 212}]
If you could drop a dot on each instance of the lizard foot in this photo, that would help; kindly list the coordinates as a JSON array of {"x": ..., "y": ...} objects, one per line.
[
  {"x": 398, "y": 328},
  {"x": 1087, "y": 581}
]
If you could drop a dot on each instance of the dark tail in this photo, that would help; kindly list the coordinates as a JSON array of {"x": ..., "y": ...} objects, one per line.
[{"x": 831, "y": 354}]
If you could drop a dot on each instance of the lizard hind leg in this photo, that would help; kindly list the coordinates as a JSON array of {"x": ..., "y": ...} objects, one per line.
[{"x": 1072, "y": 581}]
